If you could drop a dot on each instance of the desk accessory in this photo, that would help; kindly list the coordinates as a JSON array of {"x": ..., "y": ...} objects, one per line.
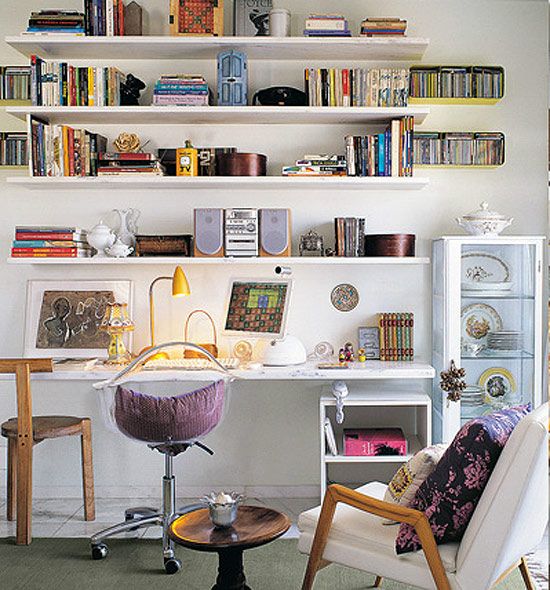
[
  {"x": 344, "y": 297},
  {"x": 251, "y": 18},
  {"x": 116, "y": 322},
  {"x": 484, "y": 222},
  {"x": 196, "y": 18},
  {"x": 369, "y": 341},
  {"x": 209, "y": 232},
  {"x": 211, "y": 348},
  {"x": 180, "y": 288},
  {"x": 187, "y": 162},
  {"x": 279, "y": 22},
  {"x": 390, "y": 244},
  {"x": 323, "y": 351},
  {"x": 241, "y": 232},
  {"x": 280, "y": 96},
  {"x": 241, "y": 164},
  {"x": 232, "y": 78},
  {"x": 222, "y": 507},
  {"x": 62, "y": 318},
  {"x": 312, "y": 242},
  {"x": 163, "y": 245},
  {"x": 100, "y": 237},
  {"x": 396, "y": 336},
  {"x": 284, "y": 352},
  {"x": 275, "y": 232},
  {"x": 243, "y": 351}
]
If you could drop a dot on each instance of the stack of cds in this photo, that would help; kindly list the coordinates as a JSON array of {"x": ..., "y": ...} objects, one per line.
[
  {"x": 472, "y": 396},
  {"x": 181, "y": 90},
  {"x": 326, "y": 25},
  {"x": 505, "y": 340}
]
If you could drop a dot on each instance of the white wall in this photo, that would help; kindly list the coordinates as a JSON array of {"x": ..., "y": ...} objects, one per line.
[{"x": 269, "y": 437}]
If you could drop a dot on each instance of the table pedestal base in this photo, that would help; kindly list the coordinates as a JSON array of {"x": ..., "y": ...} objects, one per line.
[{"x": 230, "y": 571}]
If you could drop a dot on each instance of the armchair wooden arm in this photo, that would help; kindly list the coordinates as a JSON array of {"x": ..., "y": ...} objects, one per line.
[{"x": 337, "y": 493}]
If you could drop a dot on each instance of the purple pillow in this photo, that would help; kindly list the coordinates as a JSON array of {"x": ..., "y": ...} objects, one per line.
[{"x": 450, "y": 494}]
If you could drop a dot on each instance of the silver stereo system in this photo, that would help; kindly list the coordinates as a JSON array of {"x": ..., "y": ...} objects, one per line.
[{"x": 241, "y": 232}]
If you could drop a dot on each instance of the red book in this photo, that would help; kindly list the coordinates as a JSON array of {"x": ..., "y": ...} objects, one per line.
[
  {"x": 47, "y": 255},
  {"x": 124, "y": 156},
  {"x": 345, "y": 87},
  {"x": 374, "y": 442},
  {"x": 54, "y": 250},
  {"x": 76, "y": 236},
  {"x": 121, "y": 18}
]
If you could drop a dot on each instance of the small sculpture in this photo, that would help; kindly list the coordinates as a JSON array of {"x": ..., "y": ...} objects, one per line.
[
  {"x": 341, "y": 356},
  {"x": 452, "y": 382},
  {"x": 119, "y": 249},
  {"x": 349, "y": 353},
  {"x": 312, "y": 242},
  {"x": 127, "y": 225},
  {"x": 361, "y": 356},
  {"x": 127, "y": 143},
  {"x": 130, "y": 89}
]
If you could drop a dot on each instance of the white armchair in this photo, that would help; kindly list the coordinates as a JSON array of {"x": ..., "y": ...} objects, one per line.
[{"x": 508, "y": 522}]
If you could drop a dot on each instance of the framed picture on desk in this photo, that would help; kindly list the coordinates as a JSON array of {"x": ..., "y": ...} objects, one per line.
[{"x": 63, "y": 317}]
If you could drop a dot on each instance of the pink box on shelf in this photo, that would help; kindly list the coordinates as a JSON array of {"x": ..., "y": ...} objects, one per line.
[{"x": 374, "y": 442}]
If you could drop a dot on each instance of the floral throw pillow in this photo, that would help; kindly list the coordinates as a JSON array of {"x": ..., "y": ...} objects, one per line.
[{"x": 450, "y": 494}]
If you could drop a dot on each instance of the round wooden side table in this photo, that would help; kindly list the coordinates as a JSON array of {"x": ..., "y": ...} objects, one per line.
[{"x": 253, "y": 527}]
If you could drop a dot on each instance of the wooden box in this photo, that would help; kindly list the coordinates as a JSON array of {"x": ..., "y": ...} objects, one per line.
[
  {"x": 390, "y": 244},
  {"x": 196, "y": 18},
  {"x": 178, "y": 245}
]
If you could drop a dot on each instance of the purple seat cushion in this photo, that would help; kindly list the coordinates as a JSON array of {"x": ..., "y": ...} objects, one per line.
[
  {"x": 179, "y": 418},
  {"x": 450, "y": 494}
]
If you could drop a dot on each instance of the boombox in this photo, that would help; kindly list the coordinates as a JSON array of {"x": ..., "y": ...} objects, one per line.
[{"x": 242, "y": 232}]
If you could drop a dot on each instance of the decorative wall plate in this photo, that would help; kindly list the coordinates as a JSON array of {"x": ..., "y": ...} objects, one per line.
[
  {"x": 478, "y": 320},
  {"x": 482, "y": 267},
  {"x": 499, "y": 386},
  {"x": 344, "y": 297}
]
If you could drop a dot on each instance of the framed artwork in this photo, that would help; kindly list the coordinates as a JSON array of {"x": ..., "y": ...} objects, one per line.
[
  {"x": 62, "y": 317},
  {"x": 369, "y": 340},
  {"x": 196, "y": 18}
]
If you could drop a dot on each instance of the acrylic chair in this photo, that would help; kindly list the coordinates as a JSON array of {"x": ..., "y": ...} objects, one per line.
[
  {"x": 167, "y": 424},
  {"x": 508, "y": 522}
]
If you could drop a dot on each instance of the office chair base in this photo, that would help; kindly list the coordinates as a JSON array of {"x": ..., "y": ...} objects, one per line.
[{"x": 172, "y": 565}]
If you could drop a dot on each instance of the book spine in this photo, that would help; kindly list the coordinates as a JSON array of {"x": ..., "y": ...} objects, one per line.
[
  {"x": 49, "y": 250},
  {"x": 48, "y": 255},
  {"x": 38, "y": 235}
]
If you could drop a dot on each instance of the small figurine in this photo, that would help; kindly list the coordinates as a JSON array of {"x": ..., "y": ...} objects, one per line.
[
  {"x": 130, "y": 89},
  {"x": 127, "y": 143},
  {"x": 348, "y": 352},
  {"x": 341, "y": 356},
  {"x": 312, "y": 242},
  {"x": 361, "y": 356}
]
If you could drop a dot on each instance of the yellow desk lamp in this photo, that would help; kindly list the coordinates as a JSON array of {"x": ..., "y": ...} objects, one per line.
[{"x": 180, "y": 288}]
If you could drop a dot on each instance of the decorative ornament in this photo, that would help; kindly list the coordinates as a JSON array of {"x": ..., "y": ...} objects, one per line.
[
  {"x": 452, "y": 382},
  {"x": 128, "y": 143},
  {"x": 243, "y": 351},
  {"x": 129, "y": 91},
  {"x": 349, "y": 353},
  {"x": 323, "y": 351},
  {"x": 361, "y": 356},
  {"x": 344, "y": 297},
  {"x": 312, "y": 242}
]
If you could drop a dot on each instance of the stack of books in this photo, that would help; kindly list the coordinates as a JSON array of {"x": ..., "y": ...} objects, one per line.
[
  {"x": 60, "y": 150},
  {"x": 317, "y": 165},
  {"x": 382, "y": 154},
  {"x": 56, "y": 84},
  {"x": 133, "y": 164},
  {"x": 56, "y": 22},
  {"x": 456, "y": 82},
  {"x": 396, "y": 336},
  {"x": 357, "y": 87},
  {"x": 181, "y": 90},
  {"x": 459, "y": 148},
  {"x": 326, "y": 25},
  {"x": 50, "y": 242},
  {"x": 383, "y": 27},
  {"x": 349, "y": 236},
  {"x": 15, "y": 83},
  {"x": 13, "y": 149},
  {"x": 104, "y": 18}
]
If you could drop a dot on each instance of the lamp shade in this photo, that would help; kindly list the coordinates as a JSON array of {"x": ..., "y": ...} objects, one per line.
[
  {"x": 180, "y": 284},
  {"x": 116, "y": 318}
]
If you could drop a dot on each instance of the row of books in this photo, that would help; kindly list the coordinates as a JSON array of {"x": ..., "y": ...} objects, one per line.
[
  {"x": 56, "y": 22},
  {"x": 61, "y": 84},
  {"x": 383, "y": 27},
  {"x": 15, "y": 83},
  {"x": 349, "y": 236},
  {"x": 382, "y": 154},
  {"x": 50, "y": 242},
  {"x": 118, "y": 163},
  {"x": 318, "y": 165},
  {"x": 60, "y": 150},
  {"x": 104, "y": 18},
  {"x": 326, "y": 25},
  {"x": 459, "y": 149},
  {"x": 181, "y": 90},
  {"x": 13, "y": 149},
  {"x": 396, "y": 336},
  {"x": 456, "y": 82},
  {"x": 357, "y": 87}
]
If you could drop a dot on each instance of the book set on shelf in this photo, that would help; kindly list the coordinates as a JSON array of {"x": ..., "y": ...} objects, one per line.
[
  {"x": 50, "y": 242},
  {"x": 458, "y": 148},
  {"x": 181, "y": 90},
  {"x": 326, "y": 25},
  {"x": 384, "y": 27},
  {"x": 396, "y": 336},
  {"x": 15, "y": 83},
  {"x": 13, "y": 148}
]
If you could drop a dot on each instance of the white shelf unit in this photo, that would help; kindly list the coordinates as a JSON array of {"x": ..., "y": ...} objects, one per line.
[
  {"x": 406, "y": 408},
  {"x": 262, "y": 261},
  {"x": 373, "y": 183},
  {"x": 165, "y": 47},
  {"x": 246, "y": 115}
]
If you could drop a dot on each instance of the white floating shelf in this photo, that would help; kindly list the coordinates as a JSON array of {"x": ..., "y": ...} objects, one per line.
[
  {"x": 272, "y": 261},
  {"x": 413, "y": 443},
  {"x": 248, "y": 115},
  {"x": 180, "y": 48},
  {"x": 221, "y": 182}
]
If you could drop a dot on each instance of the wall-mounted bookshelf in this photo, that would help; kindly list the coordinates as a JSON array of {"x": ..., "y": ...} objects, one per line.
[
  {"x": 247, "y": 115},
  {"x": 373, "y": 183},
  {"x": 280, "y": 48}
]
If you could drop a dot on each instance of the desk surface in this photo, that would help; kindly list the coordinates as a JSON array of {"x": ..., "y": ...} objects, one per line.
[{"x": 305, "y": 372}]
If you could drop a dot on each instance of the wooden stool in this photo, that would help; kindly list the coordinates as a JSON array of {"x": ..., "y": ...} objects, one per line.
[{"x": 24, "y": 432}]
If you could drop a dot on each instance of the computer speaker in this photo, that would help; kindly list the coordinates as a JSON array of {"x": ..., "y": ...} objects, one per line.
[
  {"x": 208, "y": 232},
  {"x": 275, "y": 234}
]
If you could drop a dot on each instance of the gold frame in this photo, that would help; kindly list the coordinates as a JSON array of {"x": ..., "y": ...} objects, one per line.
[{"x": 174, "y": 21}]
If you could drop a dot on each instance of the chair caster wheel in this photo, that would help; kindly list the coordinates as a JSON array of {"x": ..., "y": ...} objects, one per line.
[
  {"x": 172, "y": 565},
  {"x": 100, "y": 551}
]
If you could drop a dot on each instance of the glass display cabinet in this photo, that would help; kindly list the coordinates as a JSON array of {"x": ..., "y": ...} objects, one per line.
[{"x": 488, "y": 317}]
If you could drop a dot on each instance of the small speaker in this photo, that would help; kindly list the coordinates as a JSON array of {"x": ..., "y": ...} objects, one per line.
[
  {"x": 208, "y": 232},
  {"x": 275, "y": 234}
]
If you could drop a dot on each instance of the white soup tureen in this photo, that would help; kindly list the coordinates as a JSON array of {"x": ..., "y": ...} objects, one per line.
[{"x": 484, "y": 222}]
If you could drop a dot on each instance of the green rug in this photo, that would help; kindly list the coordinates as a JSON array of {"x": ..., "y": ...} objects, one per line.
[{"x": 65, "y": 564}]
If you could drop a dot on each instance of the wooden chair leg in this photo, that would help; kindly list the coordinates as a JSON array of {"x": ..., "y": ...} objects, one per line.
[
  {"x": 24, "y": 491},
  {"x": 87, "y": 470},
  {"x": 524, "y": 570},
  {"x": 11, "y": 483},
  {"x": 378, "y": 582}
]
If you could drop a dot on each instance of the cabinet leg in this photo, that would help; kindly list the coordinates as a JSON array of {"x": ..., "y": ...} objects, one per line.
[{"x": 11, "y": 483}]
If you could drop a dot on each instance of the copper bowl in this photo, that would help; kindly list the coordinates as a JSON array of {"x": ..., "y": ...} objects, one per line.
[
  {"x": 241, "y": 164},
  {"x": 390, "y": 244}
]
